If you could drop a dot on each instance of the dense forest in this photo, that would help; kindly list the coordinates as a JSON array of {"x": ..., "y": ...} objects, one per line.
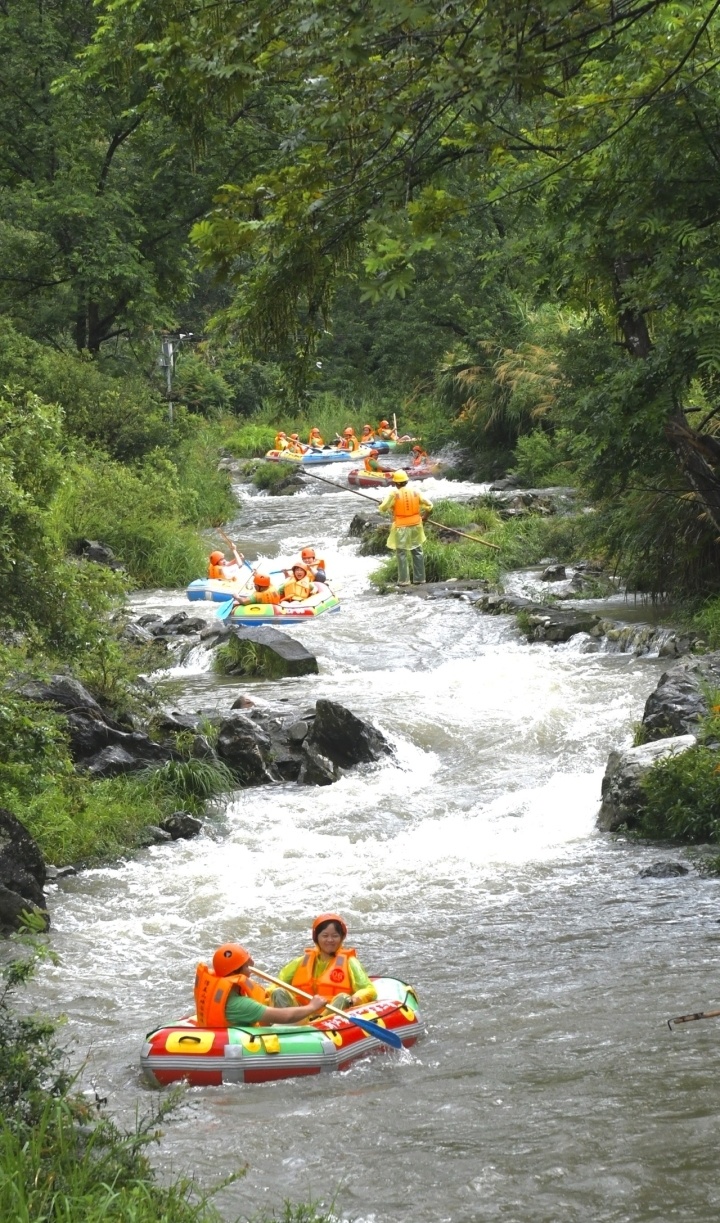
[{"x": 500, "y": 221}]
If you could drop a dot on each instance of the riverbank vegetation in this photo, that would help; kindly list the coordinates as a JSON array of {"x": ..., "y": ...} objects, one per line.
[{"x": 61, "y": 1157}]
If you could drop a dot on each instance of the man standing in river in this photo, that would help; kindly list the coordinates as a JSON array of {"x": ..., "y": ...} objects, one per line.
[{"x": 407, "y": 535}]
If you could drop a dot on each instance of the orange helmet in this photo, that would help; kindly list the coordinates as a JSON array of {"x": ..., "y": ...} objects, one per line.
[
  {"x": 367, "y": 429},
  {"x": 384, "y": 424},
  {"x": 308, "y": 554},
  {"x": 231, "y": 957},
  {"x": 262, "y": 582},
  {"x": 418, "y": 448},
  {"x": 294, "y": 437},
  {"x": 374, "y": 454},
  {"x": 348, "y": 432},
  {"x": 298, "y": 566},
  {"x": 325, "y": 917},
  {"x": 314, "y": 429},
  {"x": 216, "y": 558},
  {"x": 281, "y": 434}
]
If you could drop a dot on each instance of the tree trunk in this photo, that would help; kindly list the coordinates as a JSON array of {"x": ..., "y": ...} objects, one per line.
[
  {"x": 632, "y": 321},
  {"x": 697, "y": 452}
]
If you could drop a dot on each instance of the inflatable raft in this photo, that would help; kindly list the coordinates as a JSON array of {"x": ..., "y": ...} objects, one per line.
[
  {"x": 359, "y": 478},
  {"x": 212, "y": 590},
  {"x": 310, "y": 457},
  {"x": 286, "y": 613},
  {"x": 209, "y": 1057}
]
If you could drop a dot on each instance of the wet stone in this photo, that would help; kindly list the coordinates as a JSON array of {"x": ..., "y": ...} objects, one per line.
[{"x": 663, "y": 870}]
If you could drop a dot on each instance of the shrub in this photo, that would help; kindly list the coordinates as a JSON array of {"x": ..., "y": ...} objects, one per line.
[
  {"x": 270, "y": 475},
  {"x": 189, "y": 782},
  {"x": 683, "y": 797}
]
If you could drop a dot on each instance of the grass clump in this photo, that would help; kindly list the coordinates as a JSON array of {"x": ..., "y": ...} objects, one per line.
[
  {"x": 706, "y": 621},
  {"x": 191, "y": 783},
  {"x": 268, "y": 476}
]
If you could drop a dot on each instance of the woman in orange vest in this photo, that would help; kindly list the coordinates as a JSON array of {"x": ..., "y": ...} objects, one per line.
[
  {"x": 316, "y": 438},
  {"x": 265, "y": 592},
  {"x": 367, "y": 436},
  {"x": 281, "y": 442},
  {"x": 385, "y": 432},
  {"x": 406, "y": 536},
  {"x": 420, "y": 456},
  {"x": 226, "y": 997},
  {"x": 328, "y": 968}
]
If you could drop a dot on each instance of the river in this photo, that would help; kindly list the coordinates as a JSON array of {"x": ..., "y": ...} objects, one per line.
[{"x": 548, "y": 1089}]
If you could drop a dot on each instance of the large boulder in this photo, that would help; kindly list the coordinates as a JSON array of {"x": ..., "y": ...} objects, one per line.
[
  {"x": 246, "y": 748},
  {"x": 64, "y": 693},
  {"x": 344, "y": 738},
  {"x": 22, "y": 872},
  {"x": 317, "y": 769},
  {"x": 623, "y": 797},
  {"x": 265, "y": 651},
  {"x": 680, "y": 700}
]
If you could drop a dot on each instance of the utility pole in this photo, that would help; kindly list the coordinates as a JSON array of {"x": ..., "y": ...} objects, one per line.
[{"x": 171, "y": 341}]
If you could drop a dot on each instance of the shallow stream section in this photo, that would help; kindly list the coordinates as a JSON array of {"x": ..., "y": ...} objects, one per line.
[{"x": 549, "y": 1089}]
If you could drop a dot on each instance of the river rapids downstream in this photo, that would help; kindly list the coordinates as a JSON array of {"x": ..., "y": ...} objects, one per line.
[{"x": 548, "y": 1089}]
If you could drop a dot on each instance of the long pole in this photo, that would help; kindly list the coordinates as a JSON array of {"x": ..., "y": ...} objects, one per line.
[
  {"x": 692, "y": 1017},
  {"x": 453, "y": 530},
  {"x": 373, "y": 1029}
]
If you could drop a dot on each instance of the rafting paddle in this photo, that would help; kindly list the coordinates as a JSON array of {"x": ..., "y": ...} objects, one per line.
[
  {"x": 692, "y": 1017},
  {"x": 372, "y": 1029},
  {"x": 453, "y": 530}
]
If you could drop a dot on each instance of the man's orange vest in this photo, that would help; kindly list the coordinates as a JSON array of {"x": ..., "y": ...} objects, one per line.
[
  {"x": 212, "y": 993},
  {"x": 334, "y": 980},
  {"x": 406, "y": 508}
]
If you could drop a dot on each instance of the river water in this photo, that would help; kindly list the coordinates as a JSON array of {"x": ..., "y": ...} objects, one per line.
[{"x": 548, "y": 1089}]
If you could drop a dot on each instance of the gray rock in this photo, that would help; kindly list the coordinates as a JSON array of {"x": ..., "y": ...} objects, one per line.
[
  {"x": 663, "y": 870},
  {"x": 12, "y": 908},
  {"x": 148, "y": 618},
  {"x": 192, "y": 624},
  {"x": 181, "y": 825},
  {"x": 298, "y": 731},
  {"x": 136, "y": 634},
  {"x": 153, "y": 835},
  {"x": 111, "y": 762},
  {"x": 288, "y": 765},
  {"x": 317, "y": 769},
  {"x": 173, "y": 622},
  {"x": 63, "y": 692},
  {"x": 176, "y": 723},
  {"x": 245, "y": 747},
  {"x": 243, "y": 702},
  {"x": 99, "y": 554},
  {"x": 65, "y": 872},
  {"x": 344, "y": 738},
  {"x": 362, "y": 524},
  {"x": 502, "y": 485},
  {"x": 553, "y": 573},
  {"x": 281, "y": 655},
  {"x": 623, "y": 798},
  {"x": 680, "y": 700},
  {"x": 22, "y": 871}
]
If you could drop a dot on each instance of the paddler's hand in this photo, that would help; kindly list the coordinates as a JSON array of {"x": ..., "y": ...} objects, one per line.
[
  {"x": 316, "y": 1004},
  {"x": 342, "y": 1001}
]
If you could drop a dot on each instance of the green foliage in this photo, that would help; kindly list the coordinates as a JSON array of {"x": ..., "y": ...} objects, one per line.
[
  {"x": 60, "y": 1157},
  {"x": 270, "y": 475},
  {"x": 706, "y": 621},
  {"x": 137, "y": 512},
  {"x": 251, "y": 441},
  {"x": 236, "y": 657},
  {"x": 188, "y": 782},
  {"x": 683, "y": 797},
  {"x": 542, "y": 459}
]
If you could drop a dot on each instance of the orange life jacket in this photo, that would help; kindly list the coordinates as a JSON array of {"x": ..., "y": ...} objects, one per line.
[
  {"x": 212, "y": 993},
  {"x": 334, "y": 980},
  {"x": 216, "y": 572},
  {"x": 406, "y": 508},
  {"x": 420, "y": 457},
  {"x": 297, "y": 591},
  {"x": 371, "y": 464},
  {"x": 266, "y": 596},
  {"x": 348, "y": 443},
  {"x": 315, "y": 438},
  {"x": 281, "y": 443}
]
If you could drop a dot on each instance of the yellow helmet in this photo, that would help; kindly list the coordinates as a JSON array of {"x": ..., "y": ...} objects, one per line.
[{"x": 400, "y": 477}]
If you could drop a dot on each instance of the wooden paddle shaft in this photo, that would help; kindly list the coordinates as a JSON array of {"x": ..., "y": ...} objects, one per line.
[
  {"x": 696, "y": 1015},
  {"x": 453, "y": 530},
  {"x": 257, "y": 972}
]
